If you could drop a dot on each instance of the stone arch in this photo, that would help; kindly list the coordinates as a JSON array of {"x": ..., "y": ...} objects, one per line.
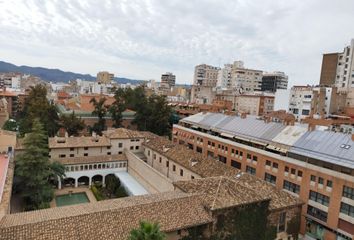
[
  {"x": 69, "y": 182},
  {"x": 83, "y": 180},
  {"x": 97, "y": 179}
]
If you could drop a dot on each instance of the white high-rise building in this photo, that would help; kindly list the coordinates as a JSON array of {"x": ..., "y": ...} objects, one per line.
[
  {"x": 345, "y": 68},
  {"x": 248, "y": 80},
  {"x": 224, "y": 77}
]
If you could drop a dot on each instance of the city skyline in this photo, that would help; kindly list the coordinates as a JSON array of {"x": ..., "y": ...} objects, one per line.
[{"x": 144, "y": 39}]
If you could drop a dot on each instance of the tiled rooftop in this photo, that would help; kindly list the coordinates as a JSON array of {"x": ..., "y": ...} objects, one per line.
[
  {"x": 222, "y": 192},
  {"x": 202, "y": 166},
  {"x": 122, "y": 133},
  {"x": 109, "y": 219},
  {"x": 62, "y": 142},
  {"x": 213, "y": 168}
]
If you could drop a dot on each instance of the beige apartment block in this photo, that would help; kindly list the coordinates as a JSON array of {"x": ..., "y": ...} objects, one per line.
[{"x": 105, "y": 77}]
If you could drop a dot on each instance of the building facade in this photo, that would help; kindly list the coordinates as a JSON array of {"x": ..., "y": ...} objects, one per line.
[
  {"x": 273, "y": 81},
  {"x": 205, "y": 75},
  {"x": 316, "y": 166},
  {"x": 105, "y": 77}
]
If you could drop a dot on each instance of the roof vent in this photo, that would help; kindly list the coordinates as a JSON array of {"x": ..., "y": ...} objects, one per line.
[
  {"x": 193, "y": 162},
  {"x": 165, "y": 149},
  {"x": 345, "y": 146}
]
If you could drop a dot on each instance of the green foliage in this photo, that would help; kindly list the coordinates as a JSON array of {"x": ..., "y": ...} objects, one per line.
[
  {"x": 100, "y": 111},
  {"x": 246, "y": 223},
  {"x": 120, "y": 192},
  {"x": 72, "y": 124},
  {"x": 112, "y": 184},
  {"x": 98, "y": 195},
  {"x": 33, "y": 170},
  {"x": 155, "y": 116},
  {"x": 293, "y": 226},
  {"x": 10, "y": 125},
  {"x": 38, "y": 106},
  {"x": 147, "y": 231},
  {"x": 117, "y": 108}
]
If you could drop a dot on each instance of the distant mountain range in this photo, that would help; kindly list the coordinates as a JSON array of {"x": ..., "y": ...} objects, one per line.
[{"x": 56, "y": 75}]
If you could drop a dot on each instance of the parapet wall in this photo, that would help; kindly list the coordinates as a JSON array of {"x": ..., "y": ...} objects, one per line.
[{"x": 151, "y": 179}]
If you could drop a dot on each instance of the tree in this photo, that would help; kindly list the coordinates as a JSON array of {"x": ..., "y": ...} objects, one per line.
[
  {"x": 147, "y": 231},
  {"x": 10, "y": 125},
  {"x": 112, "y": 184},
  {"x": 117, "y": 108},
  {"x": 38, "y": 106},
  {"x": 100, "y": 111},
  {"x": 155, "y": 116},
  {"x": 33, "y": 170},
  {"x": 72, "y": 124}
]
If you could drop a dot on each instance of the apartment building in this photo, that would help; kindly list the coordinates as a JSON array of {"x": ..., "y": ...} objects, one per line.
[
  {"x": 224, "y": 77},
  {"x": 316, "y": 166},
  {"x": 272, "y": 81},
  {"x": 248, "y": 80},
  {"x": 251, "y": 103},
  {"x": 105, "y": 77},
  {"x": 319, "y": 102},
  {"x": 168, "y": 80},
  {"x": 202, "y": 94},
  {"x": 10, "y": 80},
  {"x": 338, "y": 69},
  {"x": 205, "y": 75}
]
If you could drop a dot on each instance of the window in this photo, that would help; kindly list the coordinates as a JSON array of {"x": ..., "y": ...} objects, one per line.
[
  {"x": 120, "y": 145},
  {"x": 131, "y": 147},
  {"x": 222, "y": 159},
  {"x": 108, "y": 153},
  {"x": 286, "y": 169},
  {"x": 149, "y": 153},
  {"x": 292, "y": 187},
  {"x": 293, "y": 171},
  {"x": 241, "y": 154},
  {"x": 320, "y": 180},
  {"x": 248, "y": 156},
  {"x": 167, "y": 163},
  {"x": 282, "y": 220},
  {"x": 305, "y": 112},
  {"x": 233, "y": 151},
  {"x": 85, "y": 154},
  {"x": 160, "y": 159},
  {"x": 199, "y": 149},
  {"x": 154, "y": 156},
  {"x": 108, "y": 147},
  {"x": 181, "y": 172},
  {"x": 347, "y": 209},
  {"x": 120, "y": 152},
  {"x": 209, "y": 143},
  {"x": 320, "y": 198},
  {"x": 255, "y": 158},
  {"x": 236, "y": 164},
  {"x": 250, "y": 170},
  {"x": 270, "y": 178},
  {"x": 313, "y": 178},
  {"x": 85, "y": 148},
  {"x": 136, "y": 147},
  {"x": 174, "y": 168},
  {"x": 192, "y": 177},
  {"x": 317, "y": 213},
  {"x": 62, "y": 155},
  {"x": 275, "y": 165},
  {"x": 329, "y": 183},
  {"x": 72, "y": 155},
  {"x": 299, "y": 173},
  {"x": 348, "y": 192},
  {"x": 71, "y": 149}
]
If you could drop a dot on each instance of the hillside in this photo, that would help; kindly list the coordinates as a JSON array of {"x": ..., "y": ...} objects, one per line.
[{"x": 55, "y": 75}]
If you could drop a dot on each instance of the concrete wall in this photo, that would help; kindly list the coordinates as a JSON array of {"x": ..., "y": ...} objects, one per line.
[{"x": 151, "y": 179}]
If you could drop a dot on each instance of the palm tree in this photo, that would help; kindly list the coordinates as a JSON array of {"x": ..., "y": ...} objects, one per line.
[{"x": 147, "y": 231}]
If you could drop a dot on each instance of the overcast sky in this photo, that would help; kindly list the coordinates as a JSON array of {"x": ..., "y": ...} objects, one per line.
[{"x": 143, "y": 38}]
